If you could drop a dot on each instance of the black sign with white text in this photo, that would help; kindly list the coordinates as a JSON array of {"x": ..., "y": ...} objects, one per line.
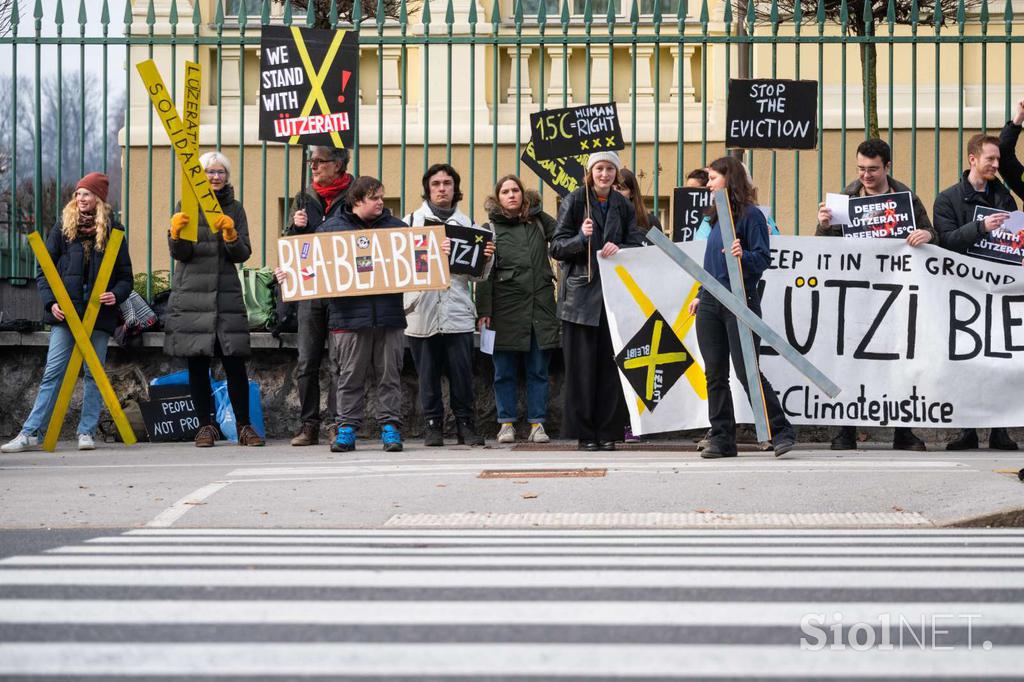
[
  {"x": 468, "y": 244},
  {"x": 881, "y": 216},
  {"x": 170, "y": 418},
  {"x": 558, "y": 133},
  {"x": 563, "y": 175},
  {"x": 688, "y": 207},
  {"x": 766, "y": 113},
  {"x": 1001, "y": 246}
]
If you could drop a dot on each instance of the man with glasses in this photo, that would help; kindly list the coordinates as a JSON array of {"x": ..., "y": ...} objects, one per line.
[
  {"x": 874, "y": 162},
  {"x": 324, "y": 198}
]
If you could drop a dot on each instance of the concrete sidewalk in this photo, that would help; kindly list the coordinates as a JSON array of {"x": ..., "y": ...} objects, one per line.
[{"x": 653, "y": 486}]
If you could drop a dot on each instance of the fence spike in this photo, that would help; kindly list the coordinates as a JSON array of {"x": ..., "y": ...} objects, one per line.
[
  {"x": 773, "y": 15},
  {"x": 218, "y": 17},
  {"x": 542, "y": 15},
  {"x": 104, "y": 15},
  {"x": 265, "y": 13},
  {"x": 243, "y": 15},
  {"x": 682, "y": 9},
  {"x": 634, "y": 14},
  {"x": 1008, "y": 15},
  {"x": 937, "y": 16},
  {"x": 495, "y": 15},
  {"x": 425, "y": 14},
  {"x": 381, "y": 18},
  {"x": 588, "y": 14},
  {"x": 127, "y": 17},
  {"x": 566, "y": 15},
  {"x": 37, "y": 13},
  {"x": 332, "y": 12},
  {"x": 821, "y": 16},
  {"x": 449, "y": 15},
  {"x": 517, "y": 14},
  {"x": 16, "y": 14},
  {"x": 890, "y": 16},
  {"x": 172, "y": 16},
  {"x": 983, "y": 15},
  {"x": 868, "y": 17},
  {"x": 726, "y": 17},
  {"x": 915, "y": 16},
  {"x": 656, "y": 15},
  {"x": 288, "y": 19},
  {"x": 58, "y": 17},
  {"x": 151, "y": 15},
  {"x": 798, "y": 16},
  {"x": 961, "y": 16},
  {"x": 844, "y": 17},
  {"x": 310, "y": 13},
  {"x": 751, "y": 17},
  {"x": 471, "y": 16},
  {"x": 610, "y": 16},
  {"x": 83, "y": 17}
]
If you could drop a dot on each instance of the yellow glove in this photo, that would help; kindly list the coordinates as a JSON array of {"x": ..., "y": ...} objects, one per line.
[
  {"x": 179, "y": 221},
  {"x": 227, "y": 228}
]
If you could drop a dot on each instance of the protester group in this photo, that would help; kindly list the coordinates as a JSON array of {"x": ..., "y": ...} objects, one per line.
[{"x": 363, "y": 337}]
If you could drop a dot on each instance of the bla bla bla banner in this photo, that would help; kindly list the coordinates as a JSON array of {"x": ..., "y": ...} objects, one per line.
[{"x": 902, "y": 330}]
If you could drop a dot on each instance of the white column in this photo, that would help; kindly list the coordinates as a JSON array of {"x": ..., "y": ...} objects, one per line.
[
  {"x": 556, "y": 84},
  {"x": 644, "y": 87},
  {"x": 681, "y": 59},
  {"x": 524, "y": 92},
  {"x": 391, "y": 92},
  {"x": 599, "y": 86}
]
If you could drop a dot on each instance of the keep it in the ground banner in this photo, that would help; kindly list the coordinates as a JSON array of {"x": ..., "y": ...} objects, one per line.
[
  {"x": 903, "y": 330},
  {"x": 362, "y": 262},
  {"x": 309, "y": 86}
]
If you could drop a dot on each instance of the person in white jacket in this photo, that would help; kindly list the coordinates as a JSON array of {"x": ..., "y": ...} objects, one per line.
[{"x": 441, "y": 323}]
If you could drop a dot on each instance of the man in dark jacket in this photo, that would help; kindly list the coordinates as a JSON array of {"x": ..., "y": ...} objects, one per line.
[
  {"x": 324, "y": 198},
  {"x": 874, "y": 162},
  {"x": 959, "y": 229},
  {"x": 1010, "y": 167},
  {"x": 367, "y": 332}
]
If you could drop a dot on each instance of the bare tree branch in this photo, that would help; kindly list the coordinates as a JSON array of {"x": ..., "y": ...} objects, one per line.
[{"x": 368, "y": 9}]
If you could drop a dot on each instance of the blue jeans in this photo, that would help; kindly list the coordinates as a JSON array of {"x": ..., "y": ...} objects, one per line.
[
  {"x": 506, "y": 383},
  {"x": 62, "y": 343}
]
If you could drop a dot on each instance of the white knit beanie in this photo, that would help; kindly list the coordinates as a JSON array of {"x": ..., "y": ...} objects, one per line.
[{"x": 610, "y": 157}]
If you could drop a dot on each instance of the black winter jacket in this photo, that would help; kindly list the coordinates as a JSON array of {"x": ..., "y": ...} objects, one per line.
[
  {"x": 316, "y": 210},
  {"x": 579, "y": 300},
  {"x": 349, "y": 313},
  {"x": 69, "y": 258},
  {"x": 1010, "y": 167},
  {"x": 954, "y": 212}
]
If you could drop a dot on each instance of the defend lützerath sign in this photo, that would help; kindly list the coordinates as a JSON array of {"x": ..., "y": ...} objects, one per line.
[
  {"x": 362, "y": 262},
  {"x": 309, "y": 86},
  {"x": 768, "y": 113}
]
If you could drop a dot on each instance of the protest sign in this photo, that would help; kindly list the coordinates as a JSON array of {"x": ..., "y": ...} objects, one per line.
[
  {"x": 881, "y": 216},
  {"x": 467, "y": 244},
  {"x": 557, "y": 133},
  {"x": 362, "y": 262},
  {"x": 689, "y": 204},
  {"x": 170, "y": 415},
  {"x": 901, "y": 329},
  {"x": 766, "y": 113},
  {"x": 309, "y": 86},
  {"x": 563, "y": 175},
  {"x": 1002, "y": 245}
]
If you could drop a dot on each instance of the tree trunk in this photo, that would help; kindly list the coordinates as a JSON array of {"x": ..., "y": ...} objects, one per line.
[{"x": 869, "y": 63}]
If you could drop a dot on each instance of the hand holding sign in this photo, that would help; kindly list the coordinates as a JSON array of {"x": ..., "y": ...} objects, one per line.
[{"x": 467, "y": 249}]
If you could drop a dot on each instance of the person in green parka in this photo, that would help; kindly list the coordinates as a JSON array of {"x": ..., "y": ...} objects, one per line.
[{"x": 517, "y": 301}]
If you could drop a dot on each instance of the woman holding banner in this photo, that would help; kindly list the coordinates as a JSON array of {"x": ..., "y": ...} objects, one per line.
[
  {"x": 207, "y": 315},
  {"x": 717, "y": 330},
  {"x": 593, "y": 220},
  {"x": 77, "y": 244},
  {"x": 518, "y": 302}
]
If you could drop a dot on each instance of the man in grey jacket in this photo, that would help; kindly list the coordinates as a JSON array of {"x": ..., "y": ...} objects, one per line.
[{"x": 441, "y": 323}]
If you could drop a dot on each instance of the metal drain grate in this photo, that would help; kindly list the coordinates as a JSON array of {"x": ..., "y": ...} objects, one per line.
[{"x": 543, "y": 473}]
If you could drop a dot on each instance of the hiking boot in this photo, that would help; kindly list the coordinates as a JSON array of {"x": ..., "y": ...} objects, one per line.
[
  {"x": 783, "y": 444},
  {"x": 537, "y": 434},
  {"x": 904, "y": 439},
  {"x": 332, "y": 432},
  {"x": 21, "y": 443},
  {"x": 389, "y": 436},
  {"x": 713, "y": 451},
  {"x": 345, "y": 440},
  {"x": 206, "y": 436},
  {"x": 606, "y": 445},
  {"x": 507, "y": 433},
  {"x": 85, "y": 442},
  {"x": 467, "y": 434},
  {"x": 967, "y": 439},
  {"x": 249, "y": 438},
  {"x": 846, "y": 439},
  {"x": 587, "y": 445},
  {"x": 999, "y": 439},
  {"x": 308, "y": 434},
  {"x": 705, "y": 441},
  {"x": 433, "y": 436}
]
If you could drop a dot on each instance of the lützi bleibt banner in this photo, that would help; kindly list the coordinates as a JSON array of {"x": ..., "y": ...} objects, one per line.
[{"x": 903, "y": 330}]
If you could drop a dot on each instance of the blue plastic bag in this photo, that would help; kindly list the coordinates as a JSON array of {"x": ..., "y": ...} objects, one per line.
[
  {"x": 173, "y": 379},
  {"x": 226, "y": 415}
]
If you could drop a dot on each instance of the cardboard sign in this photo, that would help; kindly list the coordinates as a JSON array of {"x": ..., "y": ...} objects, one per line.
[
  {"x": 468, "y": 244},
  {"x": 170, "y": 416},
  {"x": 557, "y": 133},
  {"x": 181, "y": 143},
  {"x": 309, "y": 86},
  {"x": 689, "y": 205},
  {"x": 563, "y": 175},
  {"x": 881, "y": 216},
  {"x": 766, "y": 113},
  {"x": 1001, "y": 246},
  {"x": 362, "y": 262}
]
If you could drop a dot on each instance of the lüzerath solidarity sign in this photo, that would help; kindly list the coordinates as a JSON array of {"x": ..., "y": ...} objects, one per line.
[{"x": 902, "y": 330}]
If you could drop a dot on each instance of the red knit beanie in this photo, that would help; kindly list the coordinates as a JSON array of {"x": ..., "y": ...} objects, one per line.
[{"x": 97, "y": 183}]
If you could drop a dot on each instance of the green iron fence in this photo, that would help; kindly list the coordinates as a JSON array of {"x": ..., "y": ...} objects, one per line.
[{"x": 937, "y": 73}]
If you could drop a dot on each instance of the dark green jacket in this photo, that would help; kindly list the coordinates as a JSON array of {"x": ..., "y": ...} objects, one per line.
[
  {"x": 519, "y": 295},
  {"x": 206, "y": 303}
]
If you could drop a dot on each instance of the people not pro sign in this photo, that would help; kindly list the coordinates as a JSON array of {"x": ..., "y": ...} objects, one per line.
[
  {"x": 765, "y": 113},
  {"x": 558, "y": 133}
]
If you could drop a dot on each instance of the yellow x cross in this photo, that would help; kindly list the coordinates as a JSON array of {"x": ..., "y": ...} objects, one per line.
[
  {"x": 83, "y": 344},
  {"x": 316, "y": 79},
  {"x": 654, "y": 359}
]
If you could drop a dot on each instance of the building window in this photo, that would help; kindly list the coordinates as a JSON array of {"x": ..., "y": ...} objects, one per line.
[{"x": 599, "y": 8}]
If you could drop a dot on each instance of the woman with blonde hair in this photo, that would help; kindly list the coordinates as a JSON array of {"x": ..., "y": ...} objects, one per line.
[
  {"x": 77, "y": 244},
  {"x": 518, "y": 302},
  {"x": 207, "y": 315}
]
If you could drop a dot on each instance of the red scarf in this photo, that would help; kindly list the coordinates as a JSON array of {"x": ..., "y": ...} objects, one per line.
[{"x": 329, "y": 193}]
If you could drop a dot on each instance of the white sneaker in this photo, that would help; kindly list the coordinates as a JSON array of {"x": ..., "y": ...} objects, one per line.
[
  {"x": 20, "y": 443},
  {"x": 538, "y": 434},
  {"x": 507, "y": 433},
  {"x": 85, "y": 442}
]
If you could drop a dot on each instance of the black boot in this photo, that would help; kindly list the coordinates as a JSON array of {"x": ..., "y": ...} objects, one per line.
[
  {"x": 999, "y": 439},
  {"x": 846, "y": 439},
  {"x": 433, "y": 435},
  {"x": 467, "y": 434},
  {"x": 904, "y": 439},
  {"x": 966, "y": 440}
]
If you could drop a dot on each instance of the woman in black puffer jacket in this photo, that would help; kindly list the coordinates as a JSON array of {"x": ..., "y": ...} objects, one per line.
[{"x": 207, "y": 316}]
